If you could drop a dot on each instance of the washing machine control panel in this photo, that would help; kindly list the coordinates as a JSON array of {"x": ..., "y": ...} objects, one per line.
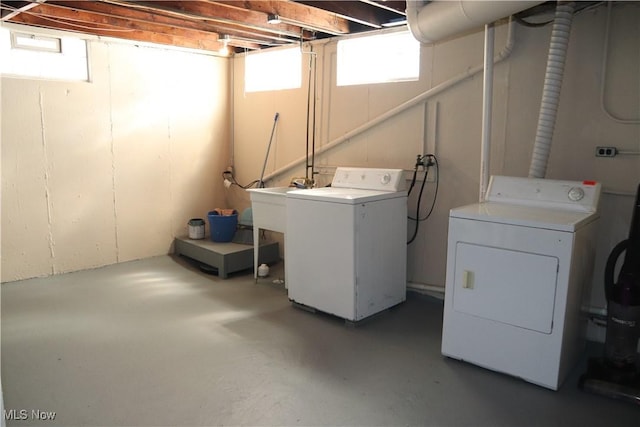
[
  {"x": 579, "y": 196},
  {"x": 369, "y": 179}
]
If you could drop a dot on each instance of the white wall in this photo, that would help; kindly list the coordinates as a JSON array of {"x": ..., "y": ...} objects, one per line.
[
  {"x": 450, "y": 125},
  {"x": 99, "y": 172}
]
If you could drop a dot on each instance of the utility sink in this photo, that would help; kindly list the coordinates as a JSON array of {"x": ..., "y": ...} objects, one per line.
[
  {"x": 269, "y": 210},
  {"x": 268, "y": 207},
  {"x": 274, "y": 190}
]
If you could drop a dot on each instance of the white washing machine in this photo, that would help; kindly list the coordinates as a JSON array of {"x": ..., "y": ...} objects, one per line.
[
  {"x": 347, "y": 244},
  {"x": 516, "y": 268}
]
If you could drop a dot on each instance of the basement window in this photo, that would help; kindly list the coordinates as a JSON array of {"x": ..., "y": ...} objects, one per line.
[
  {"x": 33, "y": 42},
  {"x": 45, "y": 57},
  {"x": 273, "y": 70},
  {"x": 381, "y": 58}
]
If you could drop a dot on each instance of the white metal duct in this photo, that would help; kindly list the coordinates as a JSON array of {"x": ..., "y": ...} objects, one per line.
[{"x": 433, "y": 21}]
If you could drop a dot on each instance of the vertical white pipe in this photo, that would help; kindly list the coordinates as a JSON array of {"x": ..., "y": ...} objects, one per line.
[{"x": 487, "y": 98}]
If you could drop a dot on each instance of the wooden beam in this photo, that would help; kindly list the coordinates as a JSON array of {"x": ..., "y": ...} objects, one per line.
[
  {"x": 117, "y": 25},
  {"x": 144, "y": 16},
  {"x": 207, "y": 43},
  {"x": 244, "y": 44},
  {"x": 354, "y": 11},
  {"x": 299, "y": 13},
  {"x": 105, "y": 9},
  {"x": 195, "y": 20},
  {"x": 202, "y": 11},
  {"x": 11, "y": 9}
]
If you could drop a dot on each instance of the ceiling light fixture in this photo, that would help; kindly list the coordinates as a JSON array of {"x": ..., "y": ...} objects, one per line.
[{"x": 272, "y": 18}]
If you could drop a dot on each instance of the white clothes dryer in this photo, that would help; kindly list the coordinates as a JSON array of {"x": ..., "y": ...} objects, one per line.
[{"x": 516, "y": 268}]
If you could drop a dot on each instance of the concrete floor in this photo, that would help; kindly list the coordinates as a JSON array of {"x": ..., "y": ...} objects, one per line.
[{"x": 157, "y": 342}]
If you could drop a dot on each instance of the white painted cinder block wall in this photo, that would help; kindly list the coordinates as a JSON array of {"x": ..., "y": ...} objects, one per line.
[
  {"x": 449, "y": 125},
  {"x": 100, "y": 172}
]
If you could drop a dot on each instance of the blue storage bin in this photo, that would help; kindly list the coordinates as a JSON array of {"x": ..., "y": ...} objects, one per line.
[{"x": 222, "y": 227}]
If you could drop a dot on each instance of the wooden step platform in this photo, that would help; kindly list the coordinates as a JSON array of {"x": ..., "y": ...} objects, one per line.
[{"x": 228, "y": 257}]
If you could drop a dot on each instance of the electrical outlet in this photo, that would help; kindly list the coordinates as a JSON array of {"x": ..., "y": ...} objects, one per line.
[{"x": 606, "y": 151}]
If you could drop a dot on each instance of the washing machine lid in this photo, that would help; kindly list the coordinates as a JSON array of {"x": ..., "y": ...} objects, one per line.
[
  {"x": 527, "y": 216},
  {"x": 344, "y": 195}
]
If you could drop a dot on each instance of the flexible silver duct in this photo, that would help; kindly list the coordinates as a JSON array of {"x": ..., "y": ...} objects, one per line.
[{"x": 551, "y": 91}]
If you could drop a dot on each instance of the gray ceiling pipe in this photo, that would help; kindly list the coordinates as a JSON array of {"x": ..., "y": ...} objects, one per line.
[{"x": 433, "y": 21}]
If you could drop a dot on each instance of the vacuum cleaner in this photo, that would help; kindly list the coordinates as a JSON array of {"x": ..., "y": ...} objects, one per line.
[{"x": 617, "y": 374}]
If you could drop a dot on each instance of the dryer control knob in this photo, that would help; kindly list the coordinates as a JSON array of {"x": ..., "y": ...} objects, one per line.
[
  {"x": 386, "y": 178},
  {"x": 576, "y": 194}
]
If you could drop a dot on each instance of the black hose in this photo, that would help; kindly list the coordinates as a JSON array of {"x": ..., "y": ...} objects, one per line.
[
  {"x": 232, "y": 179},
  {"x": 413, "y": 180},
  {"x": 415, "y": 230},
  {"x": 417, "y": 218}
]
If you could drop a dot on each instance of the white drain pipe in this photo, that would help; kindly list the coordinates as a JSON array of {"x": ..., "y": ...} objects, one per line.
[
  {"x": 487, "y": 101},
  {"x": 551, "y": 92}
]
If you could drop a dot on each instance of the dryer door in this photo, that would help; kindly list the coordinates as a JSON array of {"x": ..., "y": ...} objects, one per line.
[{"x": 512, "y": 287}]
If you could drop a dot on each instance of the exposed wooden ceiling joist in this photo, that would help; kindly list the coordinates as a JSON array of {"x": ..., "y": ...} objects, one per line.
[
  {"x": 17, "y": 8},
  {"x": 308, "y": 17},
  {"x": 203, "y": 23},
  {"x": 354, "y": 11},
  {"x": 111, "y": 24},
  {"x": 151, "y": 16}
]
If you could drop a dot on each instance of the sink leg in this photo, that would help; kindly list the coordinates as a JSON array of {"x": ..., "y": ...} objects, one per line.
[{"x": 256, "y": 251}]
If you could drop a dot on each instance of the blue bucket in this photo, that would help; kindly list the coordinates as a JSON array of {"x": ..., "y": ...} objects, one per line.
[{"x": 222, "y": 227}]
